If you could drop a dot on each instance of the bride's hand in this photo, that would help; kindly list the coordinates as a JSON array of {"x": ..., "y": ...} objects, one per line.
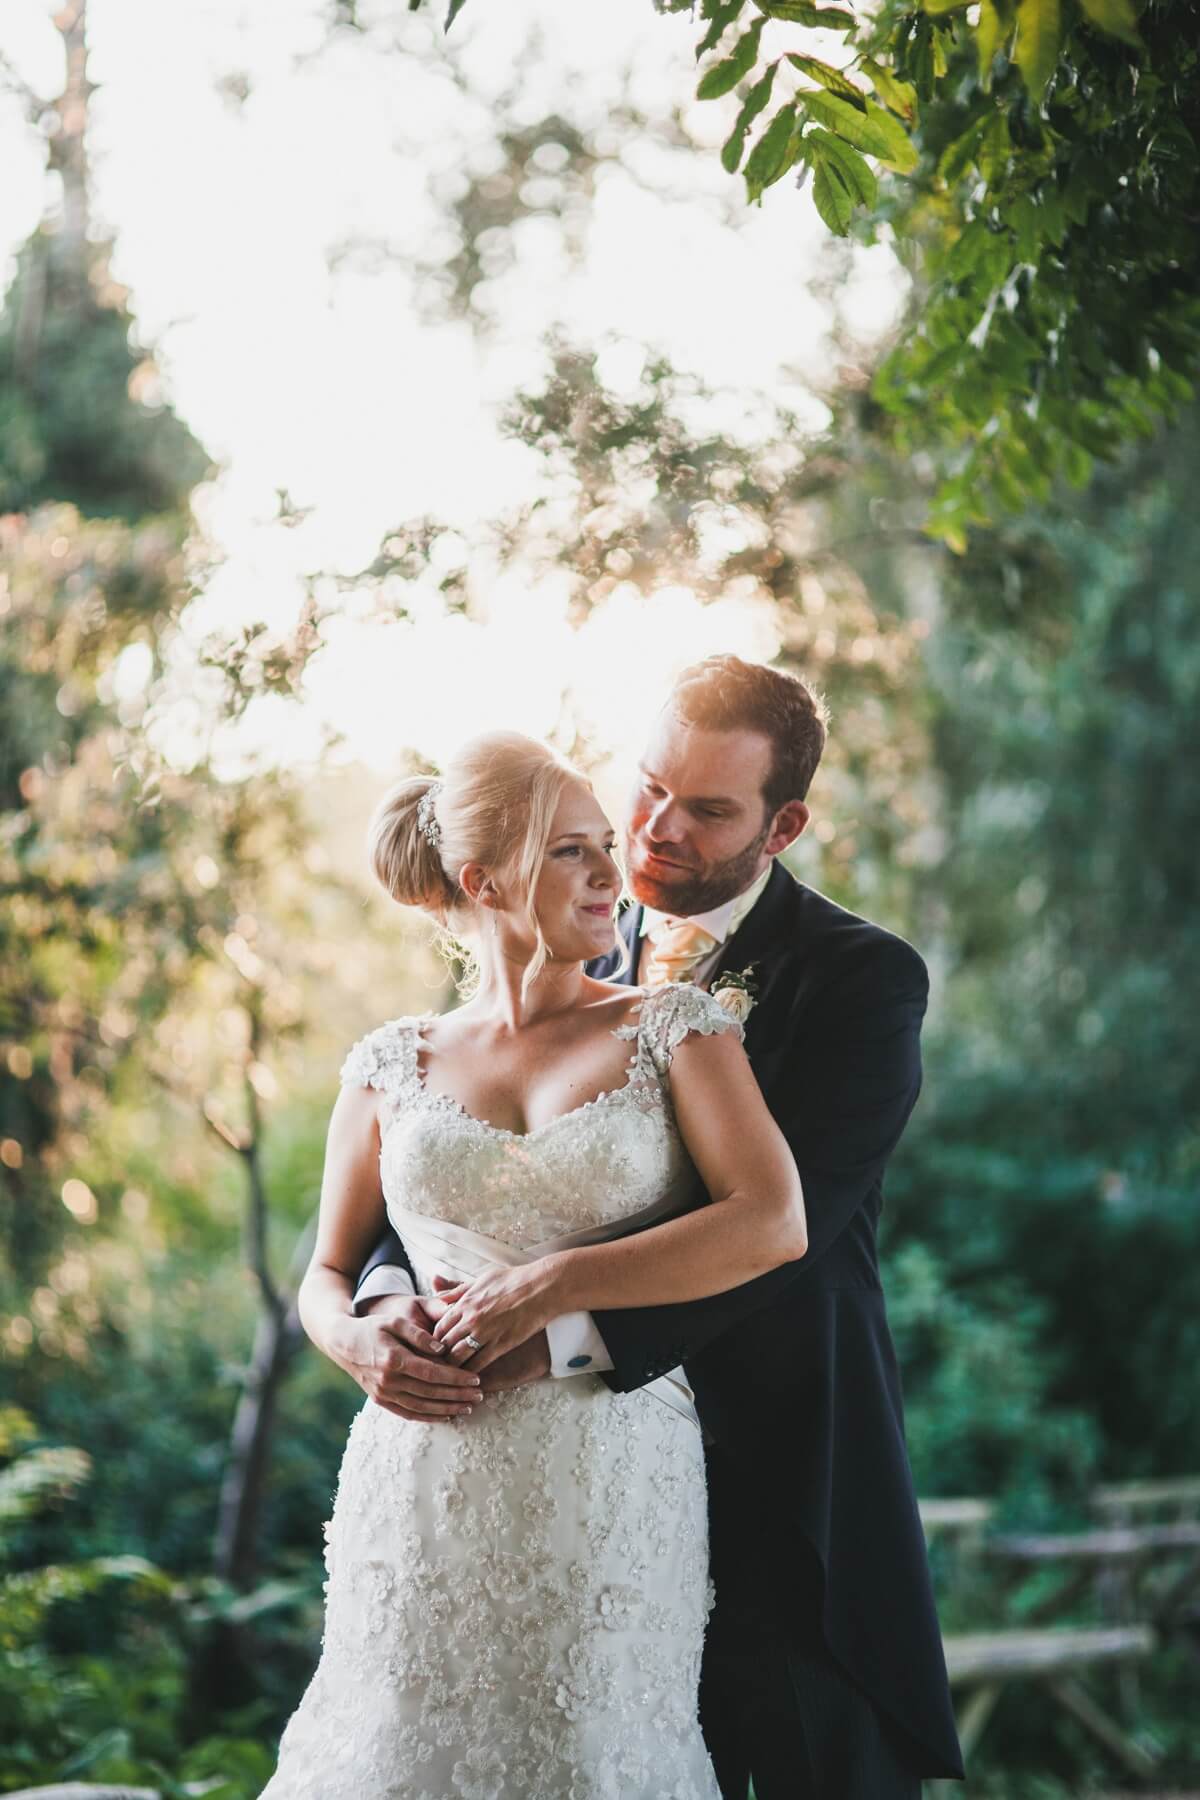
[{"x": 499, "y": 1310}]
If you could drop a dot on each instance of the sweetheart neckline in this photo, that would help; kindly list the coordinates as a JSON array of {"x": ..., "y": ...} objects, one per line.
[{"x": 628, "y": 1030}]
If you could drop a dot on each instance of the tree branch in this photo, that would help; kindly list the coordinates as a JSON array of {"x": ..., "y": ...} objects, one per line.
[
  {"x": 256, "y": 1197},
  {"x": 32, "y": 102}
]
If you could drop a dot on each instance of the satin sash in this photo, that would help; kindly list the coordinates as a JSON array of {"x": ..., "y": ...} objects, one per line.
[{"x": 459, "y": 1254}]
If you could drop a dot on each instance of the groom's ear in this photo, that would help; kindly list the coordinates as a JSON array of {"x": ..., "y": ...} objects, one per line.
[{"x": 786, "y": 826}]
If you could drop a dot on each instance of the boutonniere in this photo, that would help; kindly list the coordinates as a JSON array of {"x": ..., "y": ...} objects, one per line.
[{"x": 736, "y": 993}]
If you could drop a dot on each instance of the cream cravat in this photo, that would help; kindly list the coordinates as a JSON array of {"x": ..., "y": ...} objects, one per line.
[{"x": 676, "y": 948}]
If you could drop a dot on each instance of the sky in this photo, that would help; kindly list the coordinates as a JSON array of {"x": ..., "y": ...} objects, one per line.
[{"x": 303, "y": 369}]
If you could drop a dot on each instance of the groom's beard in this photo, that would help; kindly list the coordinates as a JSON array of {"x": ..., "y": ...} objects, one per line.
[{"x": 695, "y": 890}]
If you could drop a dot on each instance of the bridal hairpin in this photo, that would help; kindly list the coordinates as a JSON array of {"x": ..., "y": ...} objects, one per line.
[{"x": 427, "y": 823}]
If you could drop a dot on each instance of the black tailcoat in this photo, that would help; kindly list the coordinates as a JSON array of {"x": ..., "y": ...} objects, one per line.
[{"x": 794, "y": 1373}]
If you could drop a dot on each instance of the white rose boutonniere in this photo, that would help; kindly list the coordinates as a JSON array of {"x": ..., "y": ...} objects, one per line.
[{"x": 736, "y": 993}]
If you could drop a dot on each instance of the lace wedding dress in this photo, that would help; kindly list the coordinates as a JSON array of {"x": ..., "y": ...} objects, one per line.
[{"x": 516, "y": 1599}]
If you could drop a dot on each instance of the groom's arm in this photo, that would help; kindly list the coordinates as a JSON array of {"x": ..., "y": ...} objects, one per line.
[
  {"x": 842, "y": 1104},
  {"x": 386, "y": 1271}
]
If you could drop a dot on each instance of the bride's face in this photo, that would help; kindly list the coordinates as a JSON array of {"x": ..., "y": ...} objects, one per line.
[{"x": 575, "y": 895}]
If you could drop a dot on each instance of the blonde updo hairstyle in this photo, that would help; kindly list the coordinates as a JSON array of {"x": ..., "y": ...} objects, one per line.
[{"x": 494, "y": 805}]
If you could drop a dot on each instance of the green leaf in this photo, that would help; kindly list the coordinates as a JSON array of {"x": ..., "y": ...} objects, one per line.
[
  {"x": 28, "y": 1483},
  {"x": 829, "y": 77},
  {"x": 113, "y": 1742},
  {"x": 873, "y": 130},
  {"x": 802, "y": 12},
  {"x": 894, "y": 93},
  {"x": 831, "y": 196},
  {"x": 752, "y": 105},
  {"x": 936, "y": 7},
  {"x": 1054, "y": 216},
  {"x": 918, "y": 61},
  {"x": 901, "y": 153},
  {"x": 1039, "y": 35},
  {"x": 1077, "y": 464},
  {"x": 1117, "y": 17},
  {"x": 960, "y": 154},
  {"x": 727, "y": 74},
  {"x": 994, "y": 29},
  {"x": 1026, "y": 225},
  {"x": 995, "y": 148},
  {"x": 774, "y": 153},
  {"x": 856, "y": 174},
  {"x": 721, "y": 17},
  {"x": 968, "y": 250},
  {"x": 456, "y": 7}
]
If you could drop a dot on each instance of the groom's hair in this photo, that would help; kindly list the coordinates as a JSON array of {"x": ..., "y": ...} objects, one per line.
[{"x": 723, "y": 693}]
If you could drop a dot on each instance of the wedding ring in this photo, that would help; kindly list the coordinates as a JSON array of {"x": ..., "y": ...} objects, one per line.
[{"x": 473, "y": 1341}]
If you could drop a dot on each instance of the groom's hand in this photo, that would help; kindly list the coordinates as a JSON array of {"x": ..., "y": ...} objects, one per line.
[
  {"x": 393, "y": 1356},
  {"x": 530, "y": 1361}
]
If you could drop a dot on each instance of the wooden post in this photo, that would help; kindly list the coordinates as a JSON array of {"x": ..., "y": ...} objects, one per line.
[{"x": 1078, "y": 1703}]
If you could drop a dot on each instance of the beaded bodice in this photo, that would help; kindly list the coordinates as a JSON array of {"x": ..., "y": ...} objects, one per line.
[{"x": 602, "y": 1161}]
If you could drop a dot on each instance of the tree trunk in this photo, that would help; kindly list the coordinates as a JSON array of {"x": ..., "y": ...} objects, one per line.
[
  {"x": 68, "y": 144},
  {"x": 277, "y": 1337}
]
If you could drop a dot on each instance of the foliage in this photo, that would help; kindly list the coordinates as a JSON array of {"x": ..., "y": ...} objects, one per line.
[
  {"x": 1047, "y": 200},
  {"x": 1047, "y": 203},
  {"x": 93, "y": 1660},
  {"x": 81, "y": 417},
  {"x": 1041, "y": 168},
  {"x": 1058, "y": 1137},
  {"x": 1057, "y": 309},
  {"x": 980, "y": 1375}
]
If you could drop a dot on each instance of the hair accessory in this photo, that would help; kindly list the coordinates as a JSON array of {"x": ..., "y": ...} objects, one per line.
[{"x": 427, "y": 823}]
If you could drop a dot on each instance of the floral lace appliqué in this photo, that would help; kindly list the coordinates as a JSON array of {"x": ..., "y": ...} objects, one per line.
[{"x": 516, "y": 1600}]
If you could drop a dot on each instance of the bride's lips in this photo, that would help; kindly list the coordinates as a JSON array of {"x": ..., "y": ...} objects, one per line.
[{"x": 600, "y": 912}]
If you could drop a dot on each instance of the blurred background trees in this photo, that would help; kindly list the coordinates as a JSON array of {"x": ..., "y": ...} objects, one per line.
[
  {"x": 185, "y": 959},
  {"x": 1038, "y": 167}
]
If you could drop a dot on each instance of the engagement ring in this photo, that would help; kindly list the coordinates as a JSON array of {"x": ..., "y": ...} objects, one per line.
[{"x": 473, "y": 1341}]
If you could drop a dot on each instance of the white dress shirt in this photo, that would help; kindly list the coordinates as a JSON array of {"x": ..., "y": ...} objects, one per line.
[{"x": 576, "y": 1346}]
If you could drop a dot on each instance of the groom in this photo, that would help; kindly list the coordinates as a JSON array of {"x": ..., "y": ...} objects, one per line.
[{"x": 823, "y": 1672}]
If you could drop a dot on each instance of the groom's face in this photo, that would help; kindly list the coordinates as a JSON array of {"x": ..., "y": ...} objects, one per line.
[{"x": 699, "y": 831}]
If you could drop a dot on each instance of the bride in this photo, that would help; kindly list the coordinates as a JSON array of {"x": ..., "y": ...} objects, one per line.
[{"x": 516, "y": 1597}]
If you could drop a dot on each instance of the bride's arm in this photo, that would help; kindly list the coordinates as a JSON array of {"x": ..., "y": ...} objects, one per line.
[
  {"x": 755, "y": 1220},
  {"x": 397, "y": 1363}
]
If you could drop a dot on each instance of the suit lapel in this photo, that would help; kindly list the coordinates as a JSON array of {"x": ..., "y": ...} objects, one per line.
[
  {"x": 605, "y": 968},
  {"x": 630, "y": 928}
]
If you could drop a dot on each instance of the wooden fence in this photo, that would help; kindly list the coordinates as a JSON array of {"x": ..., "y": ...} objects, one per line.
[{"x": 1138, "y": 1567}]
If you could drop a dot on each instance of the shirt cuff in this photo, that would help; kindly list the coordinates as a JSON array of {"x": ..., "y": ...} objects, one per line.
[
  {"x": 576, "y": 1347},
  {"x": 386, "y": 1278}
]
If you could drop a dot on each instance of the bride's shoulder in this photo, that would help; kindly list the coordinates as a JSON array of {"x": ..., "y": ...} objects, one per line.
[
  {"x": 668, "y": 1014},
  {"x": 382, "y": 1056}
]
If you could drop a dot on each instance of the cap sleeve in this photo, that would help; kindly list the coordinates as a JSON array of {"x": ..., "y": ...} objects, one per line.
[
  {"x": 669, "y": 1013},
  {"x": 385, "y": 1059}
]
